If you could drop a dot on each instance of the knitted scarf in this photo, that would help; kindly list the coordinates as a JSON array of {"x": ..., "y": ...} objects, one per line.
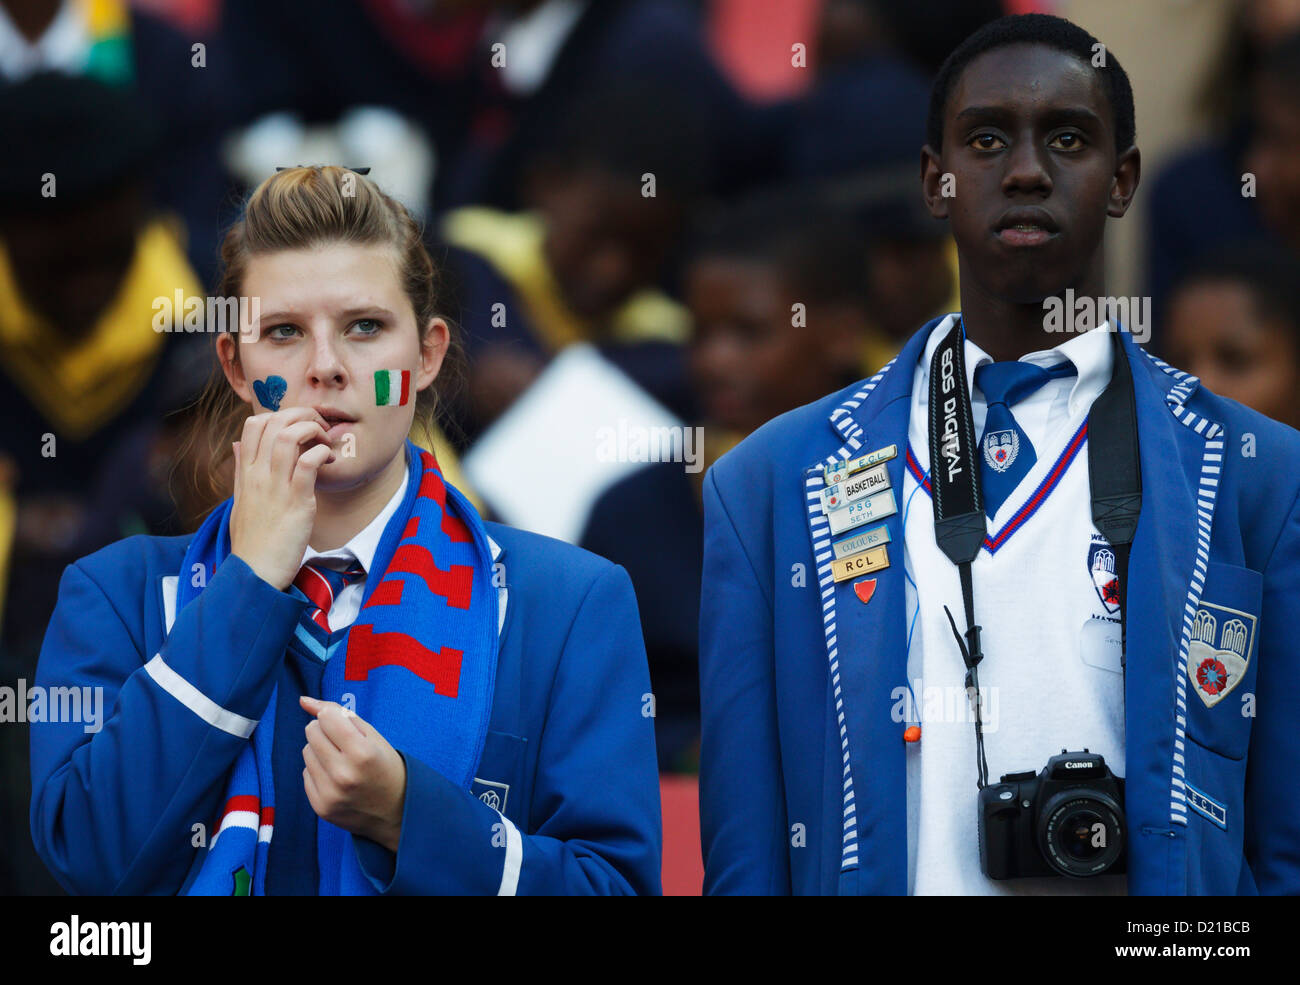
[{"x": 419, "y": 664}]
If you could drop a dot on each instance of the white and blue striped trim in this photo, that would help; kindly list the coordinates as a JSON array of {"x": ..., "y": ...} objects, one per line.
[
  {"x": 820, "y": 529},
  {"x": 1206, "y": 494},
  {"x": 196, "y": 701}
]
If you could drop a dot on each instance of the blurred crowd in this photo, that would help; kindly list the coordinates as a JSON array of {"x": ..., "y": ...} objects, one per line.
[{"x": 720, "y": 197}]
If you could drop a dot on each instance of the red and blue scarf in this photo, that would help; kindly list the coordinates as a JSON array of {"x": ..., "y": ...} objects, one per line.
[{"x": 419, "y": 663}]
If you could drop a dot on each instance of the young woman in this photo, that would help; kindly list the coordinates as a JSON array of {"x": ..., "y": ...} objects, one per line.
[{"x": 325, "y": 689}]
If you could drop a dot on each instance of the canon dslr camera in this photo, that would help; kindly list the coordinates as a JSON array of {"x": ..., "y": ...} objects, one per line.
[{"x": 1067, "y": 820}]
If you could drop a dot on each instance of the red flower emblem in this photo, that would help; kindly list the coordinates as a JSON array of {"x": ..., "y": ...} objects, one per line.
[
  {"x": 1211, "y": 675},
  {"x": 1110, "y": 592}
]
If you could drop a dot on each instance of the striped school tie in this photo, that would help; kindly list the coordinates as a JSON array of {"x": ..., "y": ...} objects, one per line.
[{"x": 322, "y": 585}]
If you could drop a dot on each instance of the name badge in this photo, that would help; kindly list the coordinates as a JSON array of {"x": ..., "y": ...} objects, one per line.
[
  {"x": 860, "y": 542},
  {"x": 842, "y": 470},
  {"x": 861, "y": 564},
  {"x": 856, "y": 486},
  {"x": 875, "y": 507}
]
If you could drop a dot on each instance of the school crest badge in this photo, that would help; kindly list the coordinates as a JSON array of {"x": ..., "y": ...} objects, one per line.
[
  {"x": 1000, "y": 449},
  {"x": 1219, "y": 653},
  {"x": 1101, "y": 564},
  {"x": 492, "y": 793}
]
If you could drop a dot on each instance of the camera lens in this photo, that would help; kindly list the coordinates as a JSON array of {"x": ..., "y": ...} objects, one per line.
[
  {"x": 1077, "y": 834},
  {"x": 1080, "y": 833}
]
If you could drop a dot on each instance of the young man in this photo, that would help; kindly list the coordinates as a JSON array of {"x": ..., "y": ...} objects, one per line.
[{"x": 854, "y": 595}]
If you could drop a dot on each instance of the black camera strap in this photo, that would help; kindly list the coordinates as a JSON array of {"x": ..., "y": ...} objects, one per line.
[{"x": 1114, "y": 478}]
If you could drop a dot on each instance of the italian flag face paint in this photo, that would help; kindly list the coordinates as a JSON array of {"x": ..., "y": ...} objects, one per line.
[{"x": 392, "y": 387}]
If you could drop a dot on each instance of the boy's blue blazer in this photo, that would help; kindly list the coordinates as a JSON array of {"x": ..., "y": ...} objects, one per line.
[
  {"x": 569, "y": 757},
  {"x": 802, "y": 775}
]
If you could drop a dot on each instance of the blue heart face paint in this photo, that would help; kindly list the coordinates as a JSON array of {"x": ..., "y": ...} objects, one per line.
[{"x": 270, "y": 391}]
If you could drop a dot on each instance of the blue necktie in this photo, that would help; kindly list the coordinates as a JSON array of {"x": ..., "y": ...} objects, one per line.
[
  {"x": 1007, "y": 454},
  {"x": 322, "y": 585}
]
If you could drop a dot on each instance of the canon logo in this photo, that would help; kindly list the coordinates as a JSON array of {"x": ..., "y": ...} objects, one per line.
[{"x": 1077, "y": 766}]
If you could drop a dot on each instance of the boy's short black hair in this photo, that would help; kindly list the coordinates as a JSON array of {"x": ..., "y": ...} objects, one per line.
[{"x": 1044, "y": 29}]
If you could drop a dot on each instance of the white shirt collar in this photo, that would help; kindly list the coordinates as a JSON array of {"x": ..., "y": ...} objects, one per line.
[
  {"x": 534, "y": 41},
  {"x": 63, "y": 45},
  {"x": 1090, "y": 352},
  {"x": 364, "y": 545},
  {"x": 1093, "y": 357}
]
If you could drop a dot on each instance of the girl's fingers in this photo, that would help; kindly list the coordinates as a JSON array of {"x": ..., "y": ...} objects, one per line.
[
  {"x": 313, "y": 781},
  {"x": 271, "y": 424},
  {"x": 251, "y": 439},
  {"x": 303, "y": 482},
  {"x": 325, "y": 758},
  {"x": 313, "y": 795},
  {"x": 340, "y": 727},
  {"x": 310, "y": 759},
  {"x": 287, "y": 446},
  {"x": 238, "y": 471}
]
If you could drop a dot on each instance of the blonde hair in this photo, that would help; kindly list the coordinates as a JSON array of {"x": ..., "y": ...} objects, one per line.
[{"x": 302, "y": 208}]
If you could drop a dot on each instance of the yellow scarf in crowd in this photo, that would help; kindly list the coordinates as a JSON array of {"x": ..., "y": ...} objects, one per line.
[
  {"x": 513, "y": 244},
  {"x": 80, "y": 386}
]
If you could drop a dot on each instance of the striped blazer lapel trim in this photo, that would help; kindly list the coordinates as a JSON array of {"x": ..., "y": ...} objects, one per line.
[
  {"x": 1206, "y": 496},
  {"x": 819, "y": 528}
]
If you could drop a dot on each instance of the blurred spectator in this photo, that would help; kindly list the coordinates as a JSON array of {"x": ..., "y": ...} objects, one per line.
[
  {"x": 865, "y": 111},
  {"x": 911, "y": 257},
  {"x": 856, "y": 135},
  {"x": 296, "y": 70},
  {"x": 1198, "y": 200},
  {"x": 610, "y": 192},
  {"x": 84, "y": 262},
  {"x": 922, "y": 31},
  {"x": 485, "y": 81},
  {"x": 171, "y": 74},
  {"x": 765, "y": 47},
  {"x": 1234, "y": 321},
  {"x": 539, "y": 58},
  {"x": 1274, "y": 155},
  {"x": 499, "y": 342},
  {"x": 87, "y": 272},
  {"x": 778, "y": 295}
]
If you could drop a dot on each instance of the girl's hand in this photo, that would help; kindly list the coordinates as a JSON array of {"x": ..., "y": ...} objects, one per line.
[
  {"x": 275, "y": 491},
  {"x": 353, "y": 777}
]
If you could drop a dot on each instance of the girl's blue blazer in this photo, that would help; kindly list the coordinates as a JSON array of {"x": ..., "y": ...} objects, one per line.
[{"x": 566, "y": 796}]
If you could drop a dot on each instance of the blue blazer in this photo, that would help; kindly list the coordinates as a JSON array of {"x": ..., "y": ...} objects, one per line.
[
  {"x": 569, "y": 758},
  {"x": 802, "y": 775}
]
